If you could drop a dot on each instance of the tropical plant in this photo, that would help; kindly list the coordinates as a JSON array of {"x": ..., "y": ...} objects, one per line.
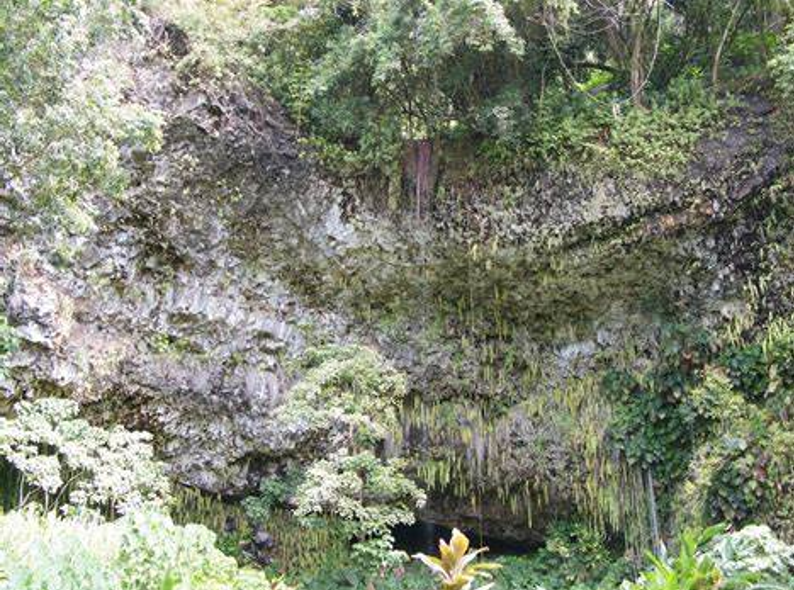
[
  {"x": 689, "y": 570},
  {"x": 62, "y": 460},
  {"x": 140, "y": 551},
  {"x": 456, "y": 567},
  {"x": 754, "y": 550}
]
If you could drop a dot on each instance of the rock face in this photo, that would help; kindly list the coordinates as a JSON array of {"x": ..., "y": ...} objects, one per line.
[
  {"x": 231, "y": 252},
  {"x": 162, "y": 317}
]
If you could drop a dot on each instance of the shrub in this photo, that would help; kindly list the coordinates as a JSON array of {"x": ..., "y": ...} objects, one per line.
[
  {"x": 782, "y": 66},
  {"x": 64, "y": 116},
  {"x": 140, "y": 551},
  {"x": 456, "y": 567},
  {"x": 369, "y": 495},
  {"x": 750, "y": 558},
  {"x": 8, "y": 343},
  {"x": 68, "y": 462},
  {"x": 343, "y": 409},
  {"x": 575, "y": 557},
  {"x": 274, "y": 493},
  {"x": 689, "y": 570},
  {"x": 608, "y": 134},
  {"x": 756, "y": 551},
  {"x": 348, "y": 398}
]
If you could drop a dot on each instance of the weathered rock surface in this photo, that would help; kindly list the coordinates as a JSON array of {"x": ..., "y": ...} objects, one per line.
[
  {"x": 231, "y": 252},
  {"x": 160, "y": 318}
]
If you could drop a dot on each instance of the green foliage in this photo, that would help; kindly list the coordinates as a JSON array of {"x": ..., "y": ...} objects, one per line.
[
  {"x": 578, "y": 554},
  {"x": 745, "y": 470},
  {"x": 8, "y": 343},
  {"x": 687, "y": 571},
  {"x": 356, "y": 578},
  {"x": 654, "y": 424},
  {"x": 782, "y": 66},
  {"x": 610, "y": 134},
  {"x": 714, "y": 427},
  {"x": 225, "y": 518},
  {"x": 343, "y": 409},
  {"x": 140, "y": 551},
  {"x": 368, "y": 495},
  {"x": 525, "y": 84},
  {"x": 304, "y": 553},
  {"x": 348, "y": 398},
  {"x": 299, "y": 552},
  {"x": 366, "y": 75},
  {"x": 64, "y": 461},
  {"x": 574, "y": 557},
  {"x": 747, "y": 559},
  {"x": 64, "y": 116},
  {"x": 218, "y": 34},
  {"x": 755, "y": 552},
  {"x": 274, "y": 493}
]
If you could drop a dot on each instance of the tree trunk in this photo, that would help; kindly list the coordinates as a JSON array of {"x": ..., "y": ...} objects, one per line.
[{"x": 715, "y": 67}]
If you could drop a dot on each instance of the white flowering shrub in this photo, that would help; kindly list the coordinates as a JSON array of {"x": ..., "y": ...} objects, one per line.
[
  {"x": 65, "y": 461},
  {"x": 140, "y": 551}
]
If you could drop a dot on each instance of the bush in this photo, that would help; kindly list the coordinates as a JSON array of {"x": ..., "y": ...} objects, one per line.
[
  {"x": 343, "y": 409},
  {"x": 747, "y": 559},
  {"x": 368, "y": 495},
  {"x": 140, "y": 551},
  {"x": 8, "y": 343},
  {"x": 608, "y": 134},
  {"x": 756, "y": 551},
  {"x": 575, "y": 556},
  {"x": 689, "y": 570},
  {"x": 782, "y": 66},
  {"x": 65, "y": 461},
  {"x": 348, "y": 398}
]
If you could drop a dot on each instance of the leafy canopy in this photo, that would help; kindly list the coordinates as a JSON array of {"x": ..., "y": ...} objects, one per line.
[{"x": 65, "y": 117}]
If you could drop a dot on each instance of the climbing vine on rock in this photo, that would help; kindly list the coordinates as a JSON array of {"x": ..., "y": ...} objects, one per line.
[{"x": 715, "y": 427}]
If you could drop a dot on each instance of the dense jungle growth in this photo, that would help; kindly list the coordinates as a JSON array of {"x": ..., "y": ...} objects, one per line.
[{"x": 319, "y": 294}]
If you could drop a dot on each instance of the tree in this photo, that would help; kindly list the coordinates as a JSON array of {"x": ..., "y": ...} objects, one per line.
[
  {"x": 628, "y": 31},
  {"x": 368, "y": 495},
  {"x": 63, "y": 113}
]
